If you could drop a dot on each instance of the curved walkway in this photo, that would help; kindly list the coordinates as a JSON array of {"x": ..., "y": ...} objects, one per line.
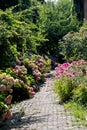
[{"x": 43, "y": 112}]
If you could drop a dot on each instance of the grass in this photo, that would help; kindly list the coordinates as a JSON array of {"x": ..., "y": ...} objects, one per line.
[{"x": 78, "y": 111}]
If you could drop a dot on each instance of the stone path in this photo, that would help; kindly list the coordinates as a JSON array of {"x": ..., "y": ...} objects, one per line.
[{"x": 43, "y": 112}]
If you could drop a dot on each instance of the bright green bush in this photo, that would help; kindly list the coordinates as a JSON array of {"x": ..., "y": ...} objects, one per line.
[
  {"x": 18, "y": 34},
  {"x": 80, "y": 94},
  {"x": 64, "y": 87}
]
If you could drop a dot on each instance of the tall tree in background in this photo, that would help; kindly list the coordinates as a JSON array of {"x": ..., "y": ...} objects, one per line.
[{"x": 57, "y": 20}]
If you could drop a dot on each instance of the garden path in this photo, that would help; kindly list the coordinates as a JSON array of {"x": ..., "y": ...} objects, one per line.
[{"x": 43, "y": 112}]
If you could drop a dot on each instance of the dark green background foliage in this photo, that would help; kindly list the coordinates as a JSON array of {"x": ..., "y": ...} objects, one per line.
[
  {"x": 79, "y": 9},
  {"x": 8, "y": 3},
  {"x": 57, "y": 20},
  {"x": 18, "y": 34},
  {"x": 33, "y": 26}
]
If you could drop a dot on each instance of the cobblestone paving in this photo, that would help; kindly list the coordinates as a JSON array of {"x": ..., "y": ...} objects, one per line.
[{"x": 43, "y": 112}]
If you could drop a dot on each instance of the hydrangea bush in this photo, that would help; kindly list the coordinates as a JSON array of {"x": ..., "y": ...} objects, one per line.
[
  {"x": 6, "y": 83},
  {"x": 21, "y": 82}
]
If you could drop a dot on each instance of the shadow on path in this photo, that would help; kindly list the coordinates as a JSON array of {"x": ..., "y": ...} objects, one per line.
[{"x": 19, "y": 120}]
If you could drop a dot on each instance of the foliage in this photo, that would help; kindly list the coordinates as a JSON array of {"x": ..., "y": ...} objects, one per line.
[
  {"x": 37, "y": 66},
  {"x": 28, "y": 74},
  {"x": 34, "y": 27},
  {"x": 78, "y": 111},
  {"x": 21, "y": 84},
  {"x": 63, "y": 87},
  {"x": 18, "y": 34},
  {"x": 80, "y": 93},
  {"x": 21, "y": 81},
  {"x": 74, "y": 45},
  {"x": 72, "y": 82},
  {"x": 57, "y": 20}
]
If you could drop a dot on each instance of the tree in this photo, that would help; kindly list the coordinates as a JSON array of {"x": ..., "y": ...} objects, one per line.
[{"x": 57, "y": 20}]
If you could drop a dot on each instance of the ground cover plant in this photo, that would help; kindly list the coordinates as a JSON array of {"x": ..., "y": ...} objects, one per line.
[{"x": 71, "y": 85}]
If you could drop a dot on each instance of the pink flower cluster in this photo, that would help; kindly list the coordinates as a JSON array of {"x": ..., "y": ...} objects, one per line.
[
  {"x": 72, "y": 69},
  {"x": 6, "y": 82},
  {"x": 38, "y": 67},
  {"x": 79, "y": 62},
  {"x": 31, "y": 91},
  {"x": 20, "y": 70},
  {"x": 60, "y": 70}
]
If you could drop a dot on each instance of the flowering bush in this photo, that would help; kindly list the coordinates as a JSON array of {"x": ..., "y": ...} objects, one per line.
[
  {"x": 71, "y": 81},
  {"x": 6, "y": 83},
  {"x": 37, "y": 66},
  {"x": 21, "y": 82},
  {"x": 28, "y": 74}
]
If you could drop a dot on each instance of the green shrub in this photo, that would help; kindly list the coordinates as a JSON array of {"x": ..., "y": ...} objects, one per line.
[
  {"x": 80, "y": 94},
  {"x": 78, "y": 110},
  {"x": 74, "y": 45},
  {"x": 64, "y": 87}
]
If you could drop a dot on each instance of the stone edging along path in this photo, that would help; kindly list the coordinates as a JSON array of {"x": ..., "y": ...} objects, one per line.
[{"x": 43, "y": 112}]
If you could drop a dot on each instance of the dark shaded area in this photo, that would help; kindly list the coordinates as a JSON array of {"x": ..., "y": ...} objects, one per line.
[
  {"x": 19, "y": 120},
  {"x": 7, "y": 3},
  {"x": 79, "y": 9},
  {"x": 19, "y": 94}
]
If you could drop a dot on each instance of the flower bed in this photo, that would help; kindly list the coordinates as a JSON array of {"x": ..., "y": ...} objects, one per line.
[
  {"x": 21, "y": 82},
  {"x": 71, "y": 83}
]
